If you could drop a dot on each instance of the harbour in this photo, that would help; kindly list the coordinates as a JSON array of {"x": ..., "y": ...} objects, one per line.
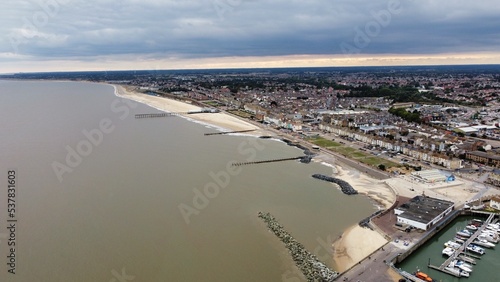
[{"x": 428, "y": 257}]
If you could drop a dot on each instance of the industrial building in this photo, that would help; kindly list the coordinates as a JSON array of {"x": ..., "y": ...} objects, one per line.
[
  {"x": 431, "y": 176},
  {"x": 423, "y": 212}
]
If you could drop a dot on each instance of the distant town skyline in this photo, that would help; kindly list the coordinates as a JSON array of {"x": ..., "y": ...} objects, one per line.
[{"x": 71, "y": 35}]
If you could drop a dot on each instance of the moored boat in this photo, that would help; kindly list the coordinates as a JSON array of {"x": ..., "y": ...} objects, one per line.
[
  {"x": 463, "y": 266},
  {"x": 459, "y": 240},
  {"x": 471, "y": 227},
  {"x": 423, "y": 276},
  {"x": 451, "y": 244},
  {"x": 483, "y": 243},
  {"x": 448, "y": 251},
  {"x": 475, "y": 249},
  {"x": 452, "y": 268},
  {"x": 464, "y": 233}
]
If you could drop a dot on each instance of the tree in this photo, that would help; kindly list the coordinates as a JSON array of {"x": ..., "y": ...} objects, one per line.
[{"x": 381, "y": 167}]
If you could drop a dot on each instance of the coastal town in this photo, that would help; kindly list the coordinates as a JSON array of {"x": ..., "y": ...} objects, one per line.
[
  {"x": 424, "y": 145},
  {"x": 436, "y": 132}
]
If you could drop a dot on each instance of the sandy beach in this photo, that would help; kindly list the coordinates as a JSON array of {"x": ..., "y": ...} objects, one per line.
[
  {"x": 223, "y": 121},
  {"x": 355, "y": 244}
]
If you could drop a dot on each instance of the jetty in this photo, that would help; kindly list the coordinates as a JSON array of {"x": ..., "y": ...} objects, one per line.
[
  {"x": 156, "y": 115},
  {"x": 272, "y": 161},
  {"x": 460, "y": 251},
  {"x": 229, "y": 132}
]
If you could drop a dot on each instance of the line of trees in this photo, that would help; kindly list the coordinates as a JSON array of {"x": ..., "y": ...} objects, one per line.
[{"x": 404, "y": 114}]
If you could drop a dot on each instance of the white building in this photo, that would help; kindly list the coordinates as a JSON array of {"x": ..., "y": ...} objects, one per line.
[
  {"x": 423, "y": 212},
  {"x": 495, "y": 203}
]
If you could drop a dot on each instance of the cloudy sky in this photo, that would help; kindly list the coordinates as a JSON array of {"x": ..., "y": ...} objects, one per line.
[{"x": 49, "y": 35}]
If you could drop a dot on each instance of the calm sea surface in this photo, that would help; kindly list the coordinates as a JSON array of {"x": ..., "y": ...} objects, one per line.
[{"x": 98, "y": 193}]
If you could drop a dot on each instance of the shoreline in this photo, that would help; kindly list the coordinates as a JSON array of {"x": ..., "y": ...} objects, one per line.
[
  {"x": 220, "y": 121},
  {"x": 352, "y": 246}
]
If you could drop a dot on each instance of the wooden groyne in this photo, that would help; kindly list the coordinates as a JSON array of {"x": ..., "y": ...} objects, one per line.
[
  {"x": 270, "y": 161},
  {"x": 156, "y": 115},
  {"x": 229, "y": 132}
]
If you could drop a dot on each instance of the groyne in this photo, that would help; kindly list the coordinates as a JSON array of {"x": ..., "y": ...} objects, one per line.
[
  {"x": 344, "y": 185},
  {"x": 156, "y": 115},
  {"x": 309, "y": 265},
  {"x": 229, "y": 132},
  {"x": 303, "y": 159}
]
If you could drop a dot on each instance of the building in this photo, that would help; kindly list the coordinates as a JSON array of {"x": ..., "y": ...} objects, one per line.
[
  {"x": 484, "y": 158},
  {"x": 431, "y": 176},
  {"x": 423, "y": 212},
  {"x": 495, "y": 203}
]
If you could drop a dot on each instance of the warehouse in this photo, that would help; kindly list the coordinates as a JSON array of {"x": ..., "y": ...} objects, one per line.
[{"x": 423, "y": 212}]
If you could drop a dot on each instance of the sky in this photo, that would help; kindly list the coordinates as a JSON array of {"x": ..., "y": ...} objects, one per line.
[{"x": 70, "y": 35}]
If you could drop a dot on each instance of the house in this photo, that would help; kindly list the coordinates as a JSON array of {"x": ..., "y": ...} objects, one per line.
[{"x": 484, "y": 158}]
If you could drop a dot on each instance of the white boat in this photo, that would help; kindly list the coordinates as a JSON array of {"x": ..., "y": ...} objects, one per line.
[
  {"x": 471, "y": 227},
  {"x": 483, "y": 243},
  {"x": 493, "y": 225},
  {"x": 463, "y": 266},
  {"x": 459, "y": 240},
  {"x": 448, "y": 251},
  {"x": 456, "y": 271},
  {"x": 494, "y": 229},
  {"x": 451, "y": 244},
  {"x": 453, "y": 270},
  {"x": 488, "y": 237},
  {"x": 488, "y": 231},
  {"x": 478, "y": 221},
  {"x": 475, "y": 249},
  {"x": 464, "y": 233}
]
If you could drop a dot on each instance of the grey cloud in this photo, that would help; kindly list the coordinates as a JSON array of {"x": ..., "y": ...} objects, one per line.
[{"x": 211, "y": 28}]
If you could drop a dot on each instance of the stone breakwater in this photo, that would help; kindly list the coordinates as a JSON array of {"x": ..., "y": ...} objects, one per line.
[
  {"x": 311, "y": 267},
  {"x": 344, "y": 185}
]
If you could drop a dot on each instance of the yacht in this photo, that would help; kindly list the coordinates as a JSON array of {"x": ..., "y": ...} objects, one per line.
[
  {"x": 471, "y": 227},
  {"x": 448, "y": 251},
  {"x": 475, "y": 249},
  {"x": 463, "y": 266},
  {"x": 451, "y": 244},
  {"x": 483, "y": 243},
  {"x": 456, "y": 271},
  {"x": 464, "y": 233}
]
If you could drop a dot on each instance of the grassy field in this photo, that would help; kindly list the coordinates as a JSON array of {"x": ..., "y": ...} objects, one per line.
[
  {"x": 352, "y": 153},
  {"x": 240, "y": 113}
]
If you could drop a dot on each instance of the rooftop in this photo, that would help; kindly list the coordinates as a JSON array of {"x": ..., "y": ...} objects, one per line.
[{"x": 424, "y": 209}]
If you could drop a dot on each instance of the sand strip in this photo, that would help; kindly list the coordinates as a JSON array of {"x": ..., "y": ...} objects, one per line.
[{"x": 223, "y": 121}]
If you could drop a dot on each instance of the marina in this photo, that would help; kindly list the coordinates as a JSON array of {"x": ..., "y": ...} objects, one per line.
[{"x": 461, "y": 262}]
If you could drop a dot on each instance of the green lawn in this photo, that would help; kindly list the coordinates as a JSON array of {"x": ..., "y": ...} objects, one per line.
[{"x": 352, "y": 153}]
